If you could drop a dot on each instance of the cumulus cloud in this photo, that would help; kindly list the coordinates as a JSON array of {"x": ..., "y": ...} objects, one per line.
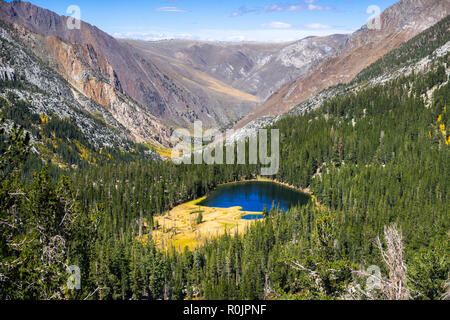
[
  {"x": 317, "y": 26},
  {"x": 278, "y": 25}
]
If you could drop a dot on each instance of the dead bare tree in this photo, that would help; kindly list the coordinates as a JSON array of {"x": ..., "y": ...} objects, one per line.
[
  {"x": 99, "y": 289},
  {"x": 394, "y": 287}
]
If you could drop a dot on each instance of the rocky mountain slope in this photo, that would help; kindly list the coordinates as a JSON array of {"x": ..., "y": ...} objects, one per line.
[
  {"x": 416, "y": 55},
  {"x": 23, "y": 74},
  {"x": 66, "y": 127},
  {"x": 114, "y": 75},
  {"x": 149, "y": 87},
  {"x": 398, "y": 24},
  {"x": 258, "y": 69},
  {"x": 96, "y": 65},
  {"x": 145, "y": 89}
]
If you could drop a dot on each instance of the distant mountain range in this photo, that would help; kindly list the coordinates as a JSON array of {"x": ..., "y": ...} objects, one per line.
[{"x": 143, "y": 90}]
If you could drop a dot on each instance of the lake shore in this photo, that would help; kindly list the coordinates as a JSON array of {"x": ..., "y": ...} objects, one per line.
[
  {"x": 302, "y": 190},
  {"x": 261, "y": 179},
  {"x": 177, "y": 228}
]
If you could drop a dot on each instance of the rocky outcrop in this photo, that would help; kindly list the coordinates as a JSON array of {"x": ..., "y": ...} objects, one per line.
[{"x": 7, "y": 73}]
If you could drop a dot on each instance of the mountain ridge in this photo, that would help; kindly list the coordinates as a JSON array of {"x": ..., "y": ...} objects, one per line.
[
  {"x": 149, "y": 88},
  {"x": 115, "y": 67},
  {"x": 177, "y": 96},
  {"x": 255, "y": 68},
  {"x": 399, "y": 23}
]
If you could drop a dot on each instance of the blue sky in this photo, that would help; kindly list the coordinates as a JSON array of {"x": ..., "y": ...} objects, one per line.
[{"x": 224, "y": 20}]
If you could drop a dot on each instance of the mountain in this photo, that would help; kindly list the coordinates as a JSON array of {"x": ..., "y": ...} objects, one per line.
[
  {"x": 97, "y": 66},
  {"x": 258, "y": 69},
  {"x": 66, "y": 127},
  {"x": 145, "y": 89},
  {"x": 375, "y": 160},
  {"x": 398, "y": 24},
  {"x": 371, "y": 153},
  {"x": 131, "y": 87},
  {"x": 178, "y": 82}
]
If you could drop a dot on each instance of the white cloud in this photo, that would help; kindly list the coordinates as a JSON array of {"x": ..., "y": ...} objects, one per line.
[
  {"x": 294, "y": 8},
  {"x": 277, "y": 25},
  {"x": 312, "y": 7},
  {"x": 170, "y": 9},
  {"x": 317, "y": 26},
  {"x": 273, "y": 7},
  {"x": 306, "y": 5}
]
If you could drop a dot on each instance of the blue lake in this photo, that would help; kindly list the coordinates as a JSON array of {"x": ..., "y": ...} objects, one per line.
[{"x": 253, "y": 196}]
